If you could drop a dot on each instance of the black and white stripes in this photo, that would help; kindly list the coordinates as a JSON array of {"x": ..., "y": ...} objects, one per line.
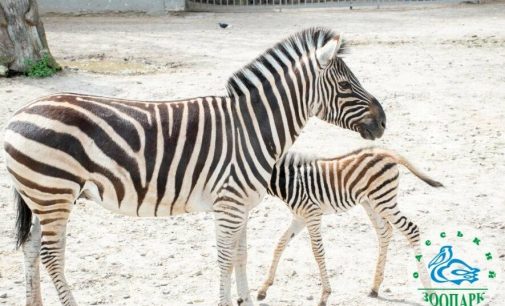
[
  {"x": 145, "y": 158},
  {"x": 312, "y": 187}
]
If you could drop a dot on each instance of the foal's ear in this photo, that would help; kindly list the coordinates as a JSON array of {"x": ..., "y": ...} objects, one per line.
[{"x": 329, "y": 50}]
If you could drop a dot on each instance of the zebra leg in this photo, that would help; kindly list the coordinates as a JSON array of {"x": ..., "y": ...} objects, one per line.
[
  {"x": 229, "y": 226},
  {"x": 240, "y": 269},
  {"x": 314, "y": 228},
  {"x": 296, "y": 226},
  {"x": 384, "y": 233},
  {"x": 410, "y": 230},
  {"x": 52, "y": 254},
  {"x": 31, "y": 251}
]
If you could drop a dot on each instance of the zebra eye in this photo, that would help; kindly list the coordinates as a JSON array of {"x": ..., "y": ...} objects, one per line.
[{"x": 344, "y": 85}]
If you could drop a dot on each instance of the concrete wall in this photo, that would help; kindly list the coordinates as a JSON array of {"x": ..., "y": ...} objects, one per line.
[{"x": 102, "y": 6}]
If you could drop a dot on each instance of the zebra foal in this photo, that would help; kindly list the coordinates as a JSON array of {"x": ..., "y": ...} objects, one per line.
[{"x": 314, "y": 187}]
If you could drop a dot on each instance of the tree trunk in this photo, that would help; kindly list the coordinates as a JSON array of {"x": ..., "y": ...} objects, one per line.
[{"x": 22, "y": 36}]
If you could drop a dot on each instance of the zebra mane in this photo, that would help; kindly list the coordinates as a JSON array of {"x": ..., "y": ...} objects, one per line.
[
  {"x": 296, "y": 158},
  {"x": 300, "y": 43}
]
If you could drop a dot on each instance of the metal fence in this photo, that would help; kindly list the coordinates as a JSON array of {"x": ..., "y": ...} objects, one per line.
[{"x": 252, "y": 5}]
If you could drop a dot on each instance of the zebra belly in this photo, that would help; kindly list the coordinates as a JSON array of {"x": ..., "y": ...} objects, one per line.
[
  {"x": 197, "y": 201},
  {"x": 339, "y": 208}
]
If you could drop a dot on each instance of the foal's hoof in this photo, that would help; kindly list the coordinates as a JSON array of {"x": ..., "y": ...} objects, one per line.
[
  {"x": 322, "y": 304},
  {"x": 261, "y": 295},
  {"x": 373, "y": 294},
  {"x": 240, "y": 301}
]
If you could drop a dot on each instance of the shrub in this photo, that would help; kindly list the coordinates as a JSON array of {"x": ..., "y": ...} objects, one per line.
[{"x": 42, "y": 68}]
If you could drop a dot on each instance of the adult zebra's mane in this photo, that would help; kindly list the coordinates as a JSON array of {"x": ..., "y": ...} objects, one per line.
[{"x": 301, "y": 43}]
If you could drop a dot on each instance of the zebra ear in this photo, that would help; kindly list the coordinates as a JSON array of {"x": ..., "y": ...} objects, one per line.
[{"x": 327, "y": 52}]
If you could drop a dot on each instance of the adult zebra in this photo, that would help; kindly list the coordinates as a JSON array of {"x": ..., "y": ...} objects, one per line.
[{"x": 164, "y": 158}]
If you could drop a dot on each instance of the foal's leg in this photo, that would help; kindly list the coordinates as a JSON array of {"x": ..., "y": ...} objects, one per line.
[
  {"x": 31, "y": 251},
  {"x": 314, "y": 228},
  {"x": 240, "y": 269},
  {"x": 384, "y": 232},
  {"x": 409, "y": 229},
  {"x": 297, "y": 224},
  {"x": 52, "y": 252}
]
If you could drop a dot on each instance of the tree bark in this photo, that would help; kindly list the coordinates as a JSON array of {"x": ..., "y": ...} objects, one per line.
[{"x": 22, "y": 36}]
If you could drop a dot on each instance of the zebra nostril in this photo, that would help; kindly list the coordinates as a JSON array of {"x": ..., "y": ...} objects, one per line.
[{"x": 383, "y": 124}]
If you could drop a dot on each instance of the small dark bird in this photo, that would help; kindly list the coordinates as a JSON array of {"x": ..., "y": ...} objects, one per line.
[{"x": 224, "y": 25}]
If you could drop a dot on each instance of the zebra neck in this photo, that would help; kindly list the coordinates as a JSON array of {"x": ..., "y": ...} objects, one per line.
[
  {"x": 275, "y": 109},
  {"x": 270, "y": 125}
]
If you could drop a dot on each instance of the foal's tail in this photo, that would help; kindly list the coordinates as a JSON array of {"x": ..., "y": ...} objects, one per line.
[
  {"x": 23, "y": 220},
  {"x": 402, "y": 161}
]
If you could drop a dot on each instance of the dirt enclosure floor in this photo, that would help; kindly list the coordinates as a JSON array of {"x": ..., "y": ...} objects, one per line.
[{"x": 438, "y": 72}]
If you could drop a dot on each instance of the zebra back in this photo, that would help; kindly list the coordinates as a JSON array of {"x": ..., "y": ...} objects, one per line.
[{"x": 339, "y": 183}]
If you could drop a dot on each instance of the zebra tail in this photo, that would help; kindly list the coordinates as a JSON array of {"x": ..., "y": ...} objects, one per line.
[
  {"x": 23, "y": 220},
  {"x": 401, "y": 160}
]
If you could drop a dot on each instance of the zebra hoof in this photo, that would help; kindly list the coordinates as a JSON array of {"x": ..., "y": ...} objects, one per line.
[
  {"x": 322, "y": 304},
  {"x": 261, "y": 295},
  {"x": 240, "y": 301},
  {"x": 373, "y": 294}
]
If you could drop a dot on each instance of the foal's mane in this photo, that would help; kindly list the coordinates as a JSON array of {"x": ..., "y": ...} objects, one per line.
[
  {"x": 295, "y": 158},
  {"x": 300, "y": 43}
]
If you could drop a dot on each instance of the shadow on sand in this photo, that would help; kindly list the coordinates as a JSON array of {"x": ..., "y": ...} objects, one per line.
[{"x": 399, "y": 301}]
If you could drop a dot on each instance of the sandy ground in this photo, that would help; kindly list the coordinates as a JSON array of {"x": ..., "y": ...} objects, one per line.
[{"x": 438, "y": 73}]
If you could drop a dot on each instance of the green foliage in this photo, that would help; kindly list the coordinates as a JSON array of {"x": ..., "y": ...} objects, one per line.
[{"x": 42, "y": 68}]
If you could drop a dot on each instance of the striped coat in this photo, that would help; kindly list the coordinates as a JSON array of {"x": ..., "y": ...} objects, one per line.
[
  {"x": 313, "y": 187},
  {"x": 145, "y": 158}
]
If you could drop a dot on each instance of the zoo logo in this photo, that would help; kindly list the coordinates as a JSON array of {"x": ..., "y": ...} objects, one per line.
[{"x": 461, "y": 268}]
